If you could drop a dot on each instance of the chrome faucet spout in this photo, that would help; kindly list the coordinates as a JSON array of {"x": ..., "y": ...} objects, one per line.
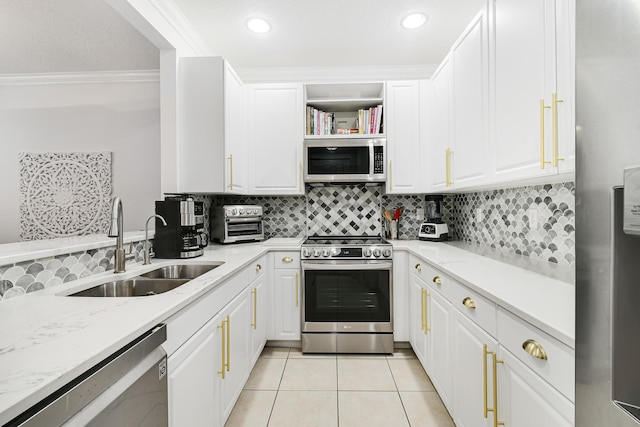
[
  {"x": 147, "y": 249},
  {"x": 116, "y": 230}
]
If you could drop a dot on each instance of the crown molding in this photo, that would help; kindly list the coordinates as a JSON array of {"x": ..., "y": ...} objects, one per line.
[
  {"x": 129, "y": 76},
  {"x": 335, "y": 74},
  {"x": 181, "y": 25}
]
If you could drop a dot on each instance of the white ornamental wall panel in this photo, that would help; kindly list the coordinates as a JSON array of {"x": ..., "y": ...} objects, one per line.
[{"x": 64, "y": 194}]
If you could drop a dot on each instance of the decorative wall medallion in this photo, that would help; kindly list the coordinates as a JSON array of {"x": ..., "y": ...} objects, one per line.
[{"x": 64, "y": 194}]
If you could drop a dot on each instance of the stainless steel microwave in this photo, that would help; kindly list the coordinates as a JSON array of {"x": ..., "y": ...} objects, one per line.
[{"x": 345, "y": 160}]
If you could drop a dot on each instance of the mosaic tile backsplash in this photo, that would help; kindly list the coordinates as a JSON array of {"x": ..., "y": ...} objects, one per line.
[{"x": 31, "y": 276}]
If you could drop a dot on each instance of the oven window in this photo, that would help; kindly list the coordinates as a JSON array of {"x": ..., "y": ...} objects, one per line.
[
  {"x": 347, "y": 296},
  {"x": 244, "y": 229},
  {"x": 338, "y": 160}
]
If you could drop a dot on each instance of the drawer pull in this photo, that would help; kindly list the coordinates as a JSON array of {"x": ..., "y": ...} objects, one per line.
[
  {"x": 469, "y": 303},
  {"x": 258, "y": 267},
  {"x": 534, "y": 349},
  {"x": 419, "y": 267},
  {"x": 287, "y": 259},
  {"x": 437, "y": 280}
]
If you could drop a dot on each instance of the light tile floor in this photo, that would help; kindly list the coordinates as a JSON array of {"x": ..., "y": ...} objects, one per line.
[{"x": 287, "y": 388}]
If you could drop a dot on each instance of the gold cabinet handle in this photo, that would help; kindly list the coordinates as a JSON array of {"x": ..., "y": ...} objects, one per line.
[
  {"x": 426, "y": 317},
  {"x": 300, "y": 175},
  {"x": 258, "y": 267},
  {"x": 255, "y": 308},
  {"x": 554, "y": 110},
  {"x": 437, "y": 280},
  {"x": 297, "y": 292},
  {"x": 419, "y": 267},
  {"x": 390, "y": 176},
  {"x": 542, "y": 159},
  {"x": 230, "y": 158},
  {"x": 228, "y": 363},
  {"x": 222, "y": 346},
  {"x": 287, "y": 259},
  {"x": 493, "y": 354},
  {"x": 448, "y": 182},
  {"x": 534, "y": 349},
  {"x": 423, "y": 318},
  {"x": 469, "y": 303}
]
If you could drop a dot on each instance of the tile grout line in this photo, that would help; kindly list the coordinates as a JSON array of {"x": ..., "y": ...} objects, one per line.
[
  {"x": 398, "y": 391},
  {"x": 337, "y": 394},
  {"x": 273, "y": 405}
]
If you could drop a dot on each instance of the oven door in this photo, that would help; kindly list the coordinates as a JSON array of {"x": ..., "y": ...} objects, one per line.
[{"x": 347, "y": 296}]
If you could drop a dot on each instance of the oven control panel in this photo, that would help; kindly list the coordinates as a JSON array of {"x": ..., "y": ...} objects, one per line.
[{"x": 367, "y": 252}]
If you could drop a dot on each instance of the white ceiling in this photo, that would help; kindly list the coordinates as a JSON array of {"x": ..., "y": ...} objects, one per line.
[
  {"x": 45, "y": 36},
  {"x": 329, "y": 32}
]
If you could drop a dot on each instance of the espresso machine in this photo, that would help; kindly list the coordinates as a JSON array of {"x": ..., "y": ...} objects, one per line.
[
  {"x": 183, "y": 236},
  {"x": 434, "y": 228}
]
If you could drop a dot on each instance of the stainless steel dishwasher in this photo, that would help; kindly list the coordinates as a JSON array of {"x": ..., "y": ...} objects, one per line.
[{"x": 127, "y": 389}]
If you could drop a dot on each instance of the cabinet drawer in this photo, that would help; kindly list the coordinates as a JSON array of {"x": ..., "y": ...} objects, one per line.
[
  {"x": 474, "y": 306},
  {"x": 257, "y": 268},
  {"x": 558, "y": 369},
  {"x": 431, "y": 276},
  {"x": 287, "y": 259}
]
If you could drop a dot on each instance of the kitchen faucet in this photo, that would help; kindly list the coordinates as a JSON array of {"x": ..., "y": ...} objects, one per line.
[
  {"x": 147, "y": 249},
  {"x": 116, "y": 230}
]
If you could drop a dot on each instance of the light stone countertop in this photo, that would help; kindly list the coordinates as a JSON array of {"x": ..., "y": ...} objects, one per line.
[
  {"x": 48, "y": 339},
  {"x": 539, "y": 292}
]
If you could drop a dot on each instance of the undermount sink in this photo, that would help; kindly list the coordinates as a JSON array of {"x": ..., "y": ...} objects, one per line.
[
  {"x": 181, "y": 271},
  {"x": 154, "y": 282},
  {"x": 136, "y": 287}
]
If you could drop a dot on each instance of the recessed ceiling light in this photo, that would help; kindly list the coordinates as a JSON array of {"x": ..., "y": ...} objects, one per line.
[
  {"x": 258, "y": 25},
  {"x": 413, "y": 21}
]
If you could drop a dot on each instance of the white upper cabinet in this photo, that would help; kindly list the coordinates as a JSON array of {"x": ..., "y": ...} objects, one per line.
[
  {"x": 404, "y": 160},
  {"x": 211, "y": 127},
  {"x": 470, "y": 57},
  {"x": 440, "y": 135},
  {"x": 275, "y": 138},
  {"x": 534, "y": 88}
]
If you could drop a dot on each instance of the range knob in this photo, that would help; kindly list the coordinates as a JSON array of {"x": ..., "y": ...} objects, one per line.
[
  {"x": 386, "y": 252},
  {"x": 376, "y": 252},
  {"x": 367, "y": 252},
  {"x": 241, "y": 211},
  {"x": 306, "y": 253},
  {"x": 316, "y": 253},
  {"x": 325, "y": 253},
  {"x": 234, "y": 211}
]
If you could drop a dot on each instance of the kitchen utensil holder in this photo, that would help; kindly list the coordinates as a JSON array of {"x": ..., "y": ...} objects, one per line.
[{"x": 393, "y": 230}]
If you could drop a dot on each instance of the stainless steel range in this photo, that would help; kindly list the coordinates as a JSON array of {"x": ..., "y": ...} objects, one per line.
[{"x": 347, "y": 295}]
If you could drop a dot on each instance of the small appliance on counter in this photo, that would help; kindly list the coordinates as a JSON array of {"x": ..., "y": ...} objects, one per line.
[
  {"x": 237, "y": 223},
  {"x": 183, "y": 236},
  {"x": 434, "y": 228}
]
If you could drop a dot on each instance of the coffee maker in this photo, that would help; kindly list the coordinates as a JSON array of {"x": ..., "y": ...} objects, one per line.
[
  {"x": 434, "y": 228},
  {"x": 183, "y": 236}
]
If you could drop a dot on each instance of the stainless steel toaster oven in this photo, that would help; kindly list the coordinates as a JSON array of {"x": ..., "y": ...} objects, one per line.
[{"x": 237, "y": 223}]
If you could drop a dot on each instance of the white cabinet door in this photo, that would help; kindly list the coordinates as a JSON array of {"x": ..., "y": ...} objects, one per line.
[
  {"x": 534, "y": 88},
  {"x": 238, "y": 338},
  {"x": 276, "y": 135},
  {"x": 439, "y": 315},
  {"x": 402, "y": 126},
  {"x": 440, "y": 140},
  {"x": 235, "y": 133},
  {"x": 418, "y": 319},
  {"x": 401, "y": 297},
  {"x": 526, "y": 400},
  {"x": 287, "y": 302},
  {"x": 259, "y": 317},
  {"x": 470, "y": 59},
  {"x": 470, "y": 383},
  {"x": 193, "y": 398}
]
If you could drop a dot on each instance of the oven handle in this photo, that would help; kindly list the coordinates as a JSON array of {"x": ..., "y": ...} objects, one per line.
[{"x": 341, "y": 265}]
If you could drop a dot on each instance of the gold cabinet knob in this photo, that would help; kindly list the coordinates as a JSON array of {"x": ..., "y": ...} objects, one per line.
[
  {"x": 287, "y": 259},
  {"x": 419, "y": 267},
  {"x": 437, "y": 280},
  {"x": 534, "y": 349},
  {"x": 258, "y": 267},
  {"x": 469, "y": 303}
]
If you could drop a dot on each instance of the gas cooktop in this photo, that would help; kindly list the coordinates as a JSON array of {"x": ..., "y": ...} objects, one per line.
[{"x": 346, "y": 247}]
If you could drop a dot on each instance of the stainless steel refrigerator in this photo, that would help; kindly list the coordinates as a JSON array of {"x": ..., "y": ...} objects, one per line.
[{"x": 607, "y": 258}]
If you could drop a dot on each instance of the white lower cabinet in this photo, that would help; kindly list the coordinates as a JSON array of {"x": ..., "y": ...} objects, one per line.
[
  {"x": 287, "y": 296},
  {"x": 418, "y": 316},
  {"x": 526, "y": 400},
  {"x": 259, "y": 317},
  {"x": 192, "y": 379}
]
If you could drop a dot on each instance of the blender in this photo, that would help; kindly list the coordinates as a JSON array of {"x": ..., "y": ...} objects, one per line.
[{"x": 434, "y": 228}]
